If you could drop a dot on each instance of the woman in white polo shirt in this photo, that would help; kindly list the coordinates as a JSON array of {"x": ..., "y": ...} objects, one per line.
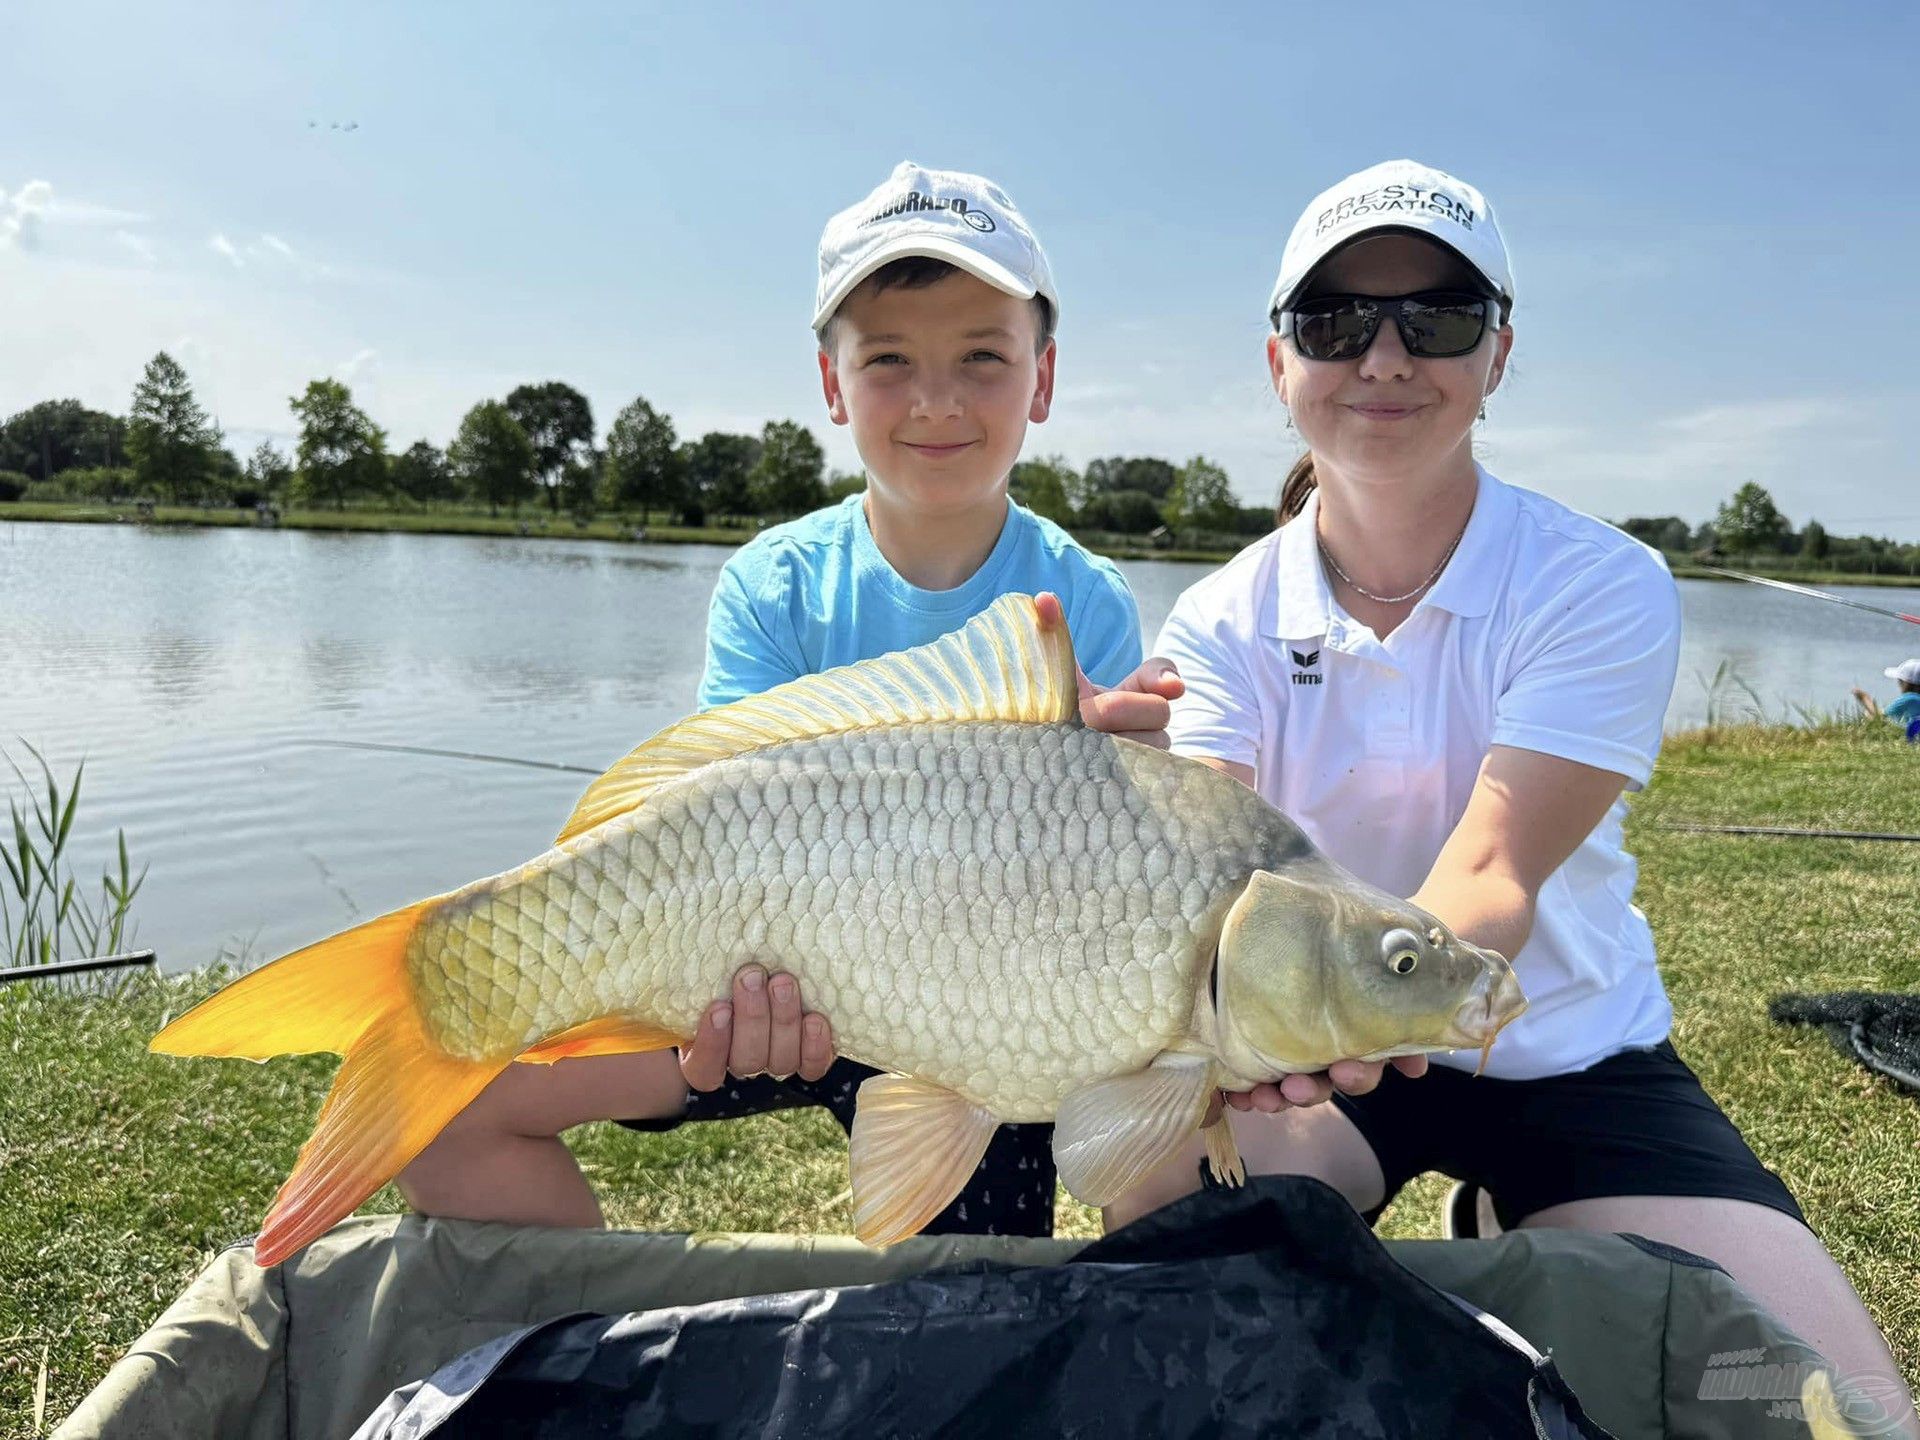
[{"x": 1448, "y": 682}]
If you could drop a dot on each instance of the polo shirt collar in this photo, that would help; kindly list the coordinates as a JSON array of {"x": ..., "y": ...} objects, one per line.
[{"x": 1304, "y": 607}]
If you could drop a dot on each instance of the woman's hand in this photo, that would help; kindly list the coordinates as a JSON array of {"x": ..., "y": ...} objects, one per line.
[
  {"x": 1139, "y": 707},
  {"x": 1293, "y": 1092},
  {"x": 761, "y": 1031}
]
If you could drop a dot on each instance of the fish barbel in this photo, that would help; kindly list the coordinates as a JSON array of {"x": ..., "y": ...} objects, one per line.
[{"x": 1015, "y": 917}]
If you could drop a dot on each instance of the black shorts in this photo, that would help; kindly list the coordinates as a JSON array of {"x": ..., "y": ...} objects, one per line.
[
  {"x": 1010, "y": 1194},
  {"x": 1635, "y": 1123}
]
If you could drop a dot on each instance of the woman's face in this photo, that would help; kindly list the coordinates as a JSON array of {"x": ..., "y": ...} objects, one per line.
[{"x": 1387, "y": 414}]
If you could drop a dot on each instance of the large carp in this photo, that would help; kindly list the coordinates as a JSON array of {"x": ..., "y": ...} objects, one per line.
[{"x": 1018, "y": 918}]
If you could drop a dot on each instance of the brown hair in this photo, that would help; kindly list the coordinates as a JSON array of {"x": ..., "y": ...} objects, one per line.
[
  {"x": 1295, "y": 489},
  {"x": 917, "y": 272}
]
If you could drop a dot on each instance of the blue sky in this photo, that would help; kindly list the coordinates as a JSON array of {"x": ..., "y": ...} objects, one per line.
[{"x": 628, "y": 197}]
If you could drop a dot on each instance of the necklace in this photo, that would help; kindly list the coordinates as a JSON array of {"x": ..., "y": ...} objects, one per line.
[{"x": 1432, "y": 575}]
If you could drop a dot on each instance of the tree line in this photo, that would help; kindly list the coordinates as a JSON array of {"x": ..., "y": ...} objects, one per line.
[
  {"x": 1749, "y": 527},
  {"x": 537, "y": 444}
]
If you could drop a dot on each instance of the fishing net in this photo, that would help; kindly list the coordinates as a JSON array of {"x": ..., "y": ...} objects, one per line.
[{"x": 1881, "y": 1031}]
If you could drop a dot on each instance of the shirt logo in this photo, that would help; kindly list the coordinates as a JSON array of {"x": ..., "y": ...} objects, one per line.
[{"x": 1306, "y": 674}]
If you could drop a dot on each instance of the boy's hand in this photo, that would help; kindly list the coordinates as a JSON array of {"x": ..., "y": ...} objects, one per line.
[
  {"x": 762, "y": 1031},
  {"x": 1137, "y": 708},
  {"x": 1293, "y": 1092}
]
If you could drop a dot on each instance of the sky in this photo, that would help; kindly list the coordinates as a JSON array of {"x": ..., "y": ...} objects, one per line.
[{"x": 438, "y": 202}]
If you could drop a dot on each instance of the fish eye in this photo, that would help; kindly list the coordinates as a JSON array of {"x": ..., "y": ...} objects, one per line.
[
  {"x": 1402, "y": 950},
  {"x": 1402, "y": 962}
]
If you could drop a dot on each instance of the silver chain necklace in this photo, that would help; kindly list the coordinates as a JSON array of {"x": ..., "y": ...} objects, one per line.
[{"x": 1432, "y": 575}]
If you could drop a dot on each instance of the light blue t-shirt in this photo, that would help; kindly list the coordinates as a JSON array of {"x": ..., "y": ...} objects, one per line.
[
  {"x": 1906, "y": 709},
  {"x": 816, "y": 592}
]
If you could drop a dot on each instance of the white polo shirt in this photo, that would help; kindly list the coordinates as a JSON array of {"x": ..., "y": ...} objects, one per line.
[{"x": 1548, "y": 631}]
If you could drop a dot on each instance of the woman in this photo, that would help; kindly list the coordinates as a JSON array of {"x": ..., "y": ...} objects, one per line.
[{"x": 1449, "y": 682}]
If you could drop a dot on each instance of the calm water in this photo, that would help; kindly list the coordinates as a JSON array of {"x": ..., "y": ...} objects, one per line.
[{"x": 195, "y": 671}]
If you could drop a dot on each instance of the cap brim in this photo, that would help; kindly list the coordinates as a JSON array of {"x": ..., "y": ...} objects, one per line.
[
  {"x": 932, "y": 247},
  {"x": 1393, "y": 227}
]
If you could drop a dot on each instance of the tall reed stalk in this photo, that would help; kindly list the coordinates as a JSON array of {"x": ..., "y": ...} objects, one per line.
[{"x": 44, "y": 914}]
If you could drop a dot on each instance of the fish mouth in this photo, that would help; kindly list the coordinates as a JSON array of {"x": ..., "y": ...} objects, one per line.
[{"x": 1494, "y": 1003}]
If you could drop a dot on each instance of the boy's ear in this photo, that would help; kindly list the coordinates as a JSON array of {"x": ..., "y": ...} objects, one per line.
[
  {"x": 1043, "y": 385},
  {"x": 830, "y": 387}
]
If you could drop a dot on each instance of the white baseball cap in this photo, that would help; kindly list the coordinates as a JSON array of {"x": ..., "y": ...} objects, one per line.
[
  {"x": 942, "y": 214},
  {"x": 1396, "y": 195},
  {"x": 1907, "y": 671}
]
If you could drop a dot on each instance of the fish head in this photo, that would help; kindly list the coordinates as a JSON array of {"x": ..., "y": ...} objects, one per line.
[{"x": 1319, "y": 968}]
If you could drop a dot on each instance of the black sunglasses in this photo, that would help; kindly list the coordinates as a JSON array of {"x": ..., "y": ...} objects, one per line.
[{"x": 1433, "y": 324}]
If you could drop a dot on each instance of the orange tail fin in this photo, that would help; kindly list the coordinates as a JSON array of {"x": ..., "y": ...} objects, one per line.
[{"x": 395, "y": 1092}]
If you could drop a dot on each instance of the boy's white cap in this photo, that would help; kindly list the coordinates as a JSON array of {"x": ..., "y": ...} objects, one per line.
[
  {"x": 1907, "y": 671},
  {"x": 1396, "y": 195},
  {"x": 943, "y": 214}
]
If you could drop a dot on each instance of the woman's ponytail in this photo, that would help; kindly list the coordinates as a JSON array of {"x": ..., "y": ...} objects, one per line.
[{"x": 1295, "y": 489}]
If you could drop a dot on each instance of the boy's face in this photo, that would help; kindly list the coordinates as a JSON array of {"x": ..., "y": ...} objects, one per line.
[{"x": 939, "y": 384}]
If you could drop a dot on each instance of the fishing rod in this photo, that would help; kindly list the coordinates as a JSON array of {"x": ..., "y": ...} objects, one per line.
[
  {"x": 1808, "y": 590},
  {"x": 76, "y": 967},
  {"x": 459, "y": 755},
  {"x": 1785, "y": 831}
]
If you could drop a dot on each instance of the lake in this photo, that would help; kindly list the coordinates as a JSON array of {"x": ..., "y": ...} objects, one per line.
[{"x": 197, "y": 672}]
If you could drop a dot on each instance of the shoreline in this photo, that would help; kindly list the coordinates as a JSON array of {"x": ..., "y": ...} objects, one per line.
[{"x": 550, "y": 527}]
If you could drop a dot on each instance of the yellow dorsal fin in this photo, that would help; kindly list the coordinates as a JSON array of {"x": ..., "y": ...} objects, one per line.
[{"x": 1001, "y": 665}]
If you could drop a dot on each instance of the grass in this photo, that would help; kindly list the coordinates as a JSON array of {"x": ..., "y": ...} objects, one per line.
[{"x": 121, "y": 1172}]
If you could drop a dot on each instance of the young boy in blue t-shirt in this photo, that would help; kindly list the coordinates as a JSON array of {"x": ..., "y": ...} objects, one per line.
[
  {"x": 1904, "y": 708},
  {"x": 935, "y": 315}
]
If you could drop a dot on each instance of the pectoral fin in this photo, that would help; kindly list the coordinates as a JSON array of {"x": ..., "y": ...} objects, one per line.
[
  {"x": 914, "y": 1146},
  {"x": 1109, "y": 1134}
]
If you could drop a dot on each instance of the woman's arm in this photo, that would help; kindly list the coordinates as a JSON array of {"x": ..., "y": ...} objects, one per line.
[{"x": 1528, "y": 812}]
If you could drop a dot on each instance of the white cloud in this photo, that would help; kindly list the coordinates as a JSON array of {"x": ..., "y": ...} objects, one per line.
[
  {"x": 352, "y": 368},
  {"x": 269, "y": 251},
  {"x": 22, "y": 214},
  {"x": 139, "y": 245}
]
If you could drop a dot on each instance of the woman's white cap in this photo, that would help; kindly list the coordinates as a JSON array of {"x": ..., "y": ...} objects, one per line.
[
  {"x": 943, "y": 214},
  {"x": 1396, "y": 195},
  {"x": 1907, "y": 671}
]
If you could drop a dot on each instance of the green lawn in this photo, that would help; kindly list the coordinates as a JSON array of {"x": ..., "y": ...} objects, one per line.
[{"x": 121, "y": 1173}]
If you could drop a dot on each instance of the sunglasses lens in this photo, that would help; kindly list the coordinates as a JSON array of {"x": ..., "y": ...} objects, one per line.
[
  {"x": 1335, "y": 331},
  {"x": 1443, "y": 327}
]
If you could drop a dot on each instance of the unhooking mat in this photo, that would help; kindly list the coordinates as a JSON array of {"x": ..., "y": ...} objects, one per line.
[
  {"x": 1654, "y": 1342},
  {"x": 1881, "y": 1031}
]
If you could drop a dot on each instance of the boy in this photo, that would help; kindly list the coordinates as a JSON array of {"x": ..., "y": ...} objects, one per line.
[
  {"x": 1904, "y": 708},
  {"x": 935, "y": 315}
]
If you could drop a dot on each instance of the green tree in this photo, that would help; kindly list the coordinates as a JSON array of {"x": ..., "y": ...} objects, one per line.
[
  {"x": 57, "y": 435},
  {"x": 492, "y": 459},
  {"x": 1201, "y": 498},
  {"x": 1813, "y": 541},
  {"x": 268, "y": 474},
  {"x": 786, "y": 480},
  {"x": 420, "y": 472},
  {"x": 1045, "y": 487},
  {"x": 717, "y": 470},
  {"x": 642, "y": 466},
  {"x": 1128, "y": 512},
  {"x": 1749, "y": 522},
  {"x": 341, "y": 452},
  {"x": 1662, "y": 532},
  {"x": 559, "y": 422},
  {"x": 841, "y": 484},
  {"x": 170, "y": 439}
]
